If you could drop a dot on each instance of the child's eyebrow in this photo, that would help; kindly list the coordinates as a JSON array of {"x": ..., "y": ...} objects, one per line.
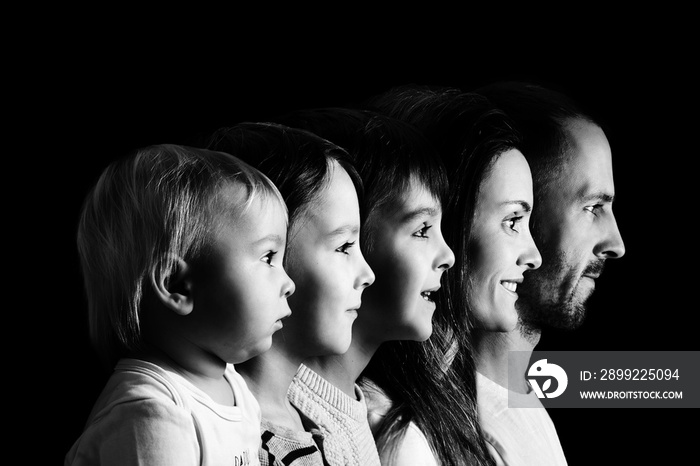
[
  {"x": 420, "y": 212},
  {"x": 523, "y": 204},
  {"x": 344, "y": 230},
  {"x": 272, "y": 238}
]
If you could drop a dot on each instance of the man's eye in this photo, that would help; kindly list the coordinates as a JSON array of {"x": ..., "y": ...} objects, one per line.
[{"x": 594, "y": 209}]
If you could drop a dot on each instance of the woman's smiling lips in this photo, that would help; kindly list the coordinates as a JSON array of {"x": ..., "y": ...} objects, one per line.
[{"x": 511, "y": 285}]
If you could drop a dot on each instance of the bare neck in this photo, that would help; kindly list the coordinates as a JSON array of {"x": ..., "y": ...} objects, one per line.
[
  {"x": 268, "y": 376},
  {"x": 343, "y": 370},
  {"x": 492, "y": 350}
]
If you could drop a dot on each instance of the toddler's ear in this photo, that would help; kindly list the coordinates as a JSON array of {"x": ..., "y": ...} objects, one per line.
[{"x": 175, "y": 290}]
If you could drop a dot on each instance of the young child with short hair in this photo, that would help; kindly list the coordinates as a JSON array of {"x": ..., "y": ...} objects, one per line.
[{"x": 181, "y": 251}]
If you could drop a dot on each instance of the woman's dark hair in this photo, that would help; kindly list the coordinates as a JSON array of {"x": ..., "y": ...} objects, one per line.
[
  {"x": 540, "y": 115},
  {"x": 470, "y": 134},
  {"x": 297, "y": 161}
]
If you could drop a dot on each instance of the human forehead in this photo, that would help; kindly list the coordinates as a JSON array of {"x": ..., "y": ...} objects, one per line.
[
  {"x": 249, "y": 215},
  {"x": 587, "y": 164},
  {"x": 336, "y": 202},
  {"x": 414, "y": 200},
  {"x": 507, "y": 181}
]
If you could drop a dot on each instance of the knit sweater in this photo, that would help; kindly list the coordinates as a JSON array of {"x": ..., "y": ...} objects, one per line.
[
  {"x": 285, "y": 447},
  {"x": 342, "y": 420}
]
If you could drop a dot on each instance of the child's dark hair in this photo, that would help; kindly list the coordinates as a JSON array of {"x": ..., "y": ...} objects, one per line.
[
  {"x": 297, "y": 161},
  {"x": 390, "y": 154}
]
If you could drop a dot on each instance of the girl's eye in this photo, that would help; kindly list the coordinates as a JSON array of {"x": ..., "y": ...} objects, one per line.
[
  {"x": 345, "y": 247},
  {"x": 423, "y": 232},
  {"x": 513, "y": 223},
  {"x": 267, "y": 258}
]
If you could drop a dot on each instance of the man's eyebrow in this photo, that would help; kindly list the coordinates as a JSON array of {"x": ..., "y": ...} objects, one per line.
[
  {"x": 523, "y": 204},
  {"x": 429, "y": 211},
  {"x": 598, "y": 196}
]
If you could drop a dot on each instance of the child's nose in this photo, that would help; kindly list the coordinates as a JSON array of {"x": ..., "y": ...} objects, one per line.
[
  {"x": 365, "y": 277},
  {"x": 289, "y": 287}
]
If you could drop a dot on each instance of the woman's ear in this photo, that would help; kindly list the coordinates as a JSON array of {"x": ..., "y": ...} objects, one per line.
[{"x": 175, "y": 290}]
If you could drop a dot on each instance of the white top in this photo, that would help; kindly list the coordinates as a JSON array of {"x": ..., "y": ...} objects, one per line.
[
  {"x": 517, "y": 436},
  {"x": 149, "y": 415},
  {"x": 412, "y": 449}
]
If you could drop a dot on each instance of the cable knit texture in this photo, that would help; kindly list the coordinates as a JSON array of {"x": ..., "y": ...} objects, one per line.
[{"x": 348, "y": 440}]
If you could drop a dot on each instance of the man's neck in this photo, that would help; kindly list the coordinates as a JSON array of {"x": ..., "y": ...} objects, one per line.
[{"x": 492, "y": 350}]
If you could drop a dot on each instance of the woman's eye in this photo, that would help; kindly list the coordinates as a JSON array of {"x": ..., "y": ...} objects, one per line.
[
  {"x": 267, "y": 258},
  {"x": 423, "y": 232},
  {"x": 513, "y": 223},
  {"x": 345, "y": 247}
]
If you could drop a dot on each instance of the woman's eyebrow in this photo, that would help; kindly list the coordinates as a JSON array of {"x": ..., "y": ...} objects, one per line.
[{"x": 523, "y": 204}]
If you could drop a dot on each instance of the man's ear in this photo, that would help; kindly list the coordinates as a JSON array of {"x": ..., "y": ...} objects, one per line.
[{"x": 175, "y": 290}]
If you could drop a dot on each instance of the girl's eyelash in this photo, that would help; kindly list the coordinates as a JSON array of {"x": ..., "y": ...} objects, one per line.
[
  {"x": 422, "y": 233},
  {"x": 344, "y": 248}
]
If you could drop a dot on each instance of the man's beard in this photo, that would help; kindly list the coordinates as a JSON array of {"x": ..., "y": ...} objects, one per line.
[{"x": 550, "y": 296}]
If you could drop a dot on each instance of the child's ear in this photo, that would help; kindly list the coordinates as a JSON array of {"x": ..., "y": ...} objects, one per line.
[{"x": 175, "y": 290}]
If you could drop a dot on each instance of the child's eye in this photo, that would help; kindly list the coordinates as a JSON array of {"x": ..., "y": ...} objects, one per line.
[
  {"x": 345, "y": 247},
  {"x": 513, "y": 223},
  {"x": 423, "y": 232},
  {"x": 267, "y": 258}
]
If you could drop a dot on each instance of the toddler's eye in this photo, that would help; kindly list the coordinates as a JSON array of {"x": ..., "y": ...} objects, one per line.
[
  {"x": 423, "y": 232},
  {"x": 345, "y": 247},
  {"x": 267, "y": 258}
]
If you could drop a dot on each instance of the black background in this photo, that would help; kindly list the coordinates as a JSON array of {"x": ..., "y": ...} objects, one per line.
[{"x": 83, "y": 101}]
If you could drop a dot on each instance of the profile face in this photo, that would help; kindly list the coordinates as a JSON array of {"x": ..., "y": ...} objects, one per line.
[
  {"x": 408, "y": 256},
  {"x": 240, "y": 288},
  {"x": 577, "y": 231},
  {"x": 501, "y": 248},
  {"x": 325, "y": 262}
]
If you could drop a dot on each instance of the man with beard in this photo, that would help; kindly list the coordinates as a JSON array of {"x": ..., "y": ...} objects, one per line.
[{"x": 575, "y": 231}]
